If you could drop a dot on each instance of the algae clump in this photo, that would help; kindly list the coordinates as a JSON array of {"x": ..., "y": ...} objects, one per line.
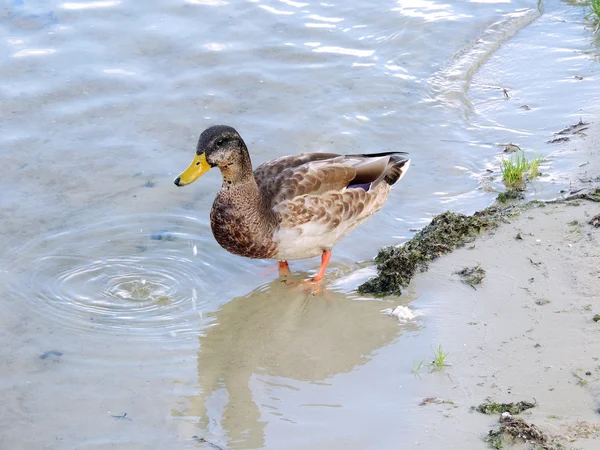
[
  {"x": 397, "y": 265},
  {"x": 510, "y": 195},
  {"x": 514, "y": 429},
  {"x": 472, "y": 275},
  {"x": 491, "y": 407}
]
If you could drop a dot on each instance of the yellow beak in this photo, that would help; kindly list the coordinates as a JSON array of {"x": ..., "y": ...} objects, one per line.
[{"x": 198, "y": 167}]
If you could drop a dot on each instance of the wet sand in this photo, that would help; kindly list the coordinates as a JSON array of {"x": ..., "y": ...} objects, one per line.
[{"x": 527, "y": 331}]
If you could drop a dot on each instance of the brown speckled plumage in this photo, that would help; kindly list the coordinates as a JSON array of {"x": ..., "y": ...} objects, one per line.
[
  {"x": 239, "y": 223},
  {"x": 295, "y": 206}
]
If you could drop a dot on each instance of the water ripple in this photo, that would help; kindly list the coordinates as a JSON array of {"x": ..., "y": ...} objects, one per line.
[
  {"x": 140, "y": 275},
  {"x": 452, "y": 83},
  {"x": 90, "y": 5},
  {"x": 344, "y": 51},
  {"x": 34, "y": 52}
]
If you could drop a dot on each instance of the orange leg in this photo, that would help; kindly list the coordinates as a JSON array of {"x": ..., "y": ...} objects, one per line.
[
  {"x": 284, "y": 269},
  {"x": 325, "y": 257}
]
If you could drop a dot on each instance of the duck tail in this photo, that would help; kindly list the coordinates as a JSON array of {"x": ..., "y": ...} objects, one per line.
[{"x": 397, "y": 167}]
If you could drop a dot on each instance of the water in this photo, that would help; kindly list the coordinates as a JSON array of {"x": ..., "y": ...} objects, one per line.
[{"x": 115, "y": 297}]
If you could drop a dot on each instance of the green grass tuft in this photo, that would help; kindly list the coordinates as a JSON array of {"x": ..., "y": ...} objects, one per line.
[
  {"x": 534, "y": 165},
  {"x": 513, "y": 170},
  {"x": 595, "y": 14},
  {"x": 518, "y": 169},
  {"x": 439, "y": 358}
]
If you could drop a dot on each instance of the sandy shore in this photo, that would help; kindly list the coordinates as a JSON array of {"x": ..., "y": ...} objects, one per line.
[{"x": 527, "y": 331}]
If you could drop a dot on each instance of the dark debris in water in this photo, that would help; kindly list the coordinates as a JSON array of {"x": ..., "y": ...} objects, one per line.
[
  {"x": 208, "y": 444},
  {"x": 491, "y": 407},
  {"x": 162, "y": 235},
  {"x": 51, "y": 353},
  {"x": 558, "y": 140},
  {"x": 574, "y": 129},
  {"x": 472, "y": 275},
  {"x": 593, "y": 195},
  {"x": 396, "y": 266},
  {"x": 514, "y": 429},
  {"x": 436, "y": 401},
  {"x": 511, "y": 148}
]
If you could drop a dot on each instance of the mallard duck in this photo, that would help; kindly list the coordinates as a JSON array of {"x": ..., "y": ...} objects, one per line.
[{"x": 293, "y": 207}]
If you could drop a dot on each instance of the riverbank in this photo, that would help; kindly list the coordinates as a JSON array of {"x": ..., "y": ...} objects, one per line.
[{"x": 526, "y": 328}]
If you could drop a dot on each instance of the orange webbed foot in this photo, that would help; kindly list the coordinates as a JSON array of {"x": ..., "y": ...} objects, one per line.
[
  {"x": 308, "y": 286},
  {"x": 312, "y": 286},
  {"x": 284, "y": 269}
]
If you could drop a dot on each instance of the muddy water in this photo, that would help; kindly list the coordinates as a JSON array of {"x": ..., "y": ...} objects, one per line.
[{"x": 124, "y": 324}]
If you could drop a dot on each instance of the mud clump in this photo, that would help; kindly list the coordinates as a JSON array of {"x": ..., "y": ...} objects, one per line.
[
  {"x": 490, "y": 407},
  {"x": 396, "y": 266}
]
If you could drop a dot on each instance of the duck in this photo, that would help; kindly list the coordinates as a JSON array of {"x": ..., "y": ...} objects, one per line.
[{"x": 291, "y": 207}]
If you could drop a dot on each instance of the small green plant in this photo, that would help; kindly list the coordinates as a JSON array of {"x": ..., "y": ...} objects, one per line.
[
  {"x": 517, "y": 169},
  {"x": 534, "y": 165},
  {"x": 513, "y": 169},
  {"x": 417, "y": 365},
  {"x": 439, "y": 358},
  {"x": 594, "y": 16}
]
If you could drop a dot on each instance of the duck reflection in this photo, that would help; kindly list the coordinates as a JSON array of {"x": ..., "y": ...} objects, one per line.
[{"x": 285, "y": 333}]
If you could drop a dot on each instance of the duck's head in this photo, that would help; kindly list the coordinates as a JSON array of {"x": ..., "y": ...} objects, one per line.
[{"x": 218, "y": 146}]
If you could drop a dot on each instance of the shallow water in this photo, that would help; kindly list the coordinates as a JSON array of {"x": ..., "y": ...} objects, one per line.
[{"x": 115, "y": 297}]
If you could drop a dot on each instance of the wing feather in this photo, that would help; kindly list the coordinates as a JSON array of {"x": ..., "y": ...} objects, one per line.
[
  {"x": 316, "y": 186},
  {"x": 310, "y": 173}
]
